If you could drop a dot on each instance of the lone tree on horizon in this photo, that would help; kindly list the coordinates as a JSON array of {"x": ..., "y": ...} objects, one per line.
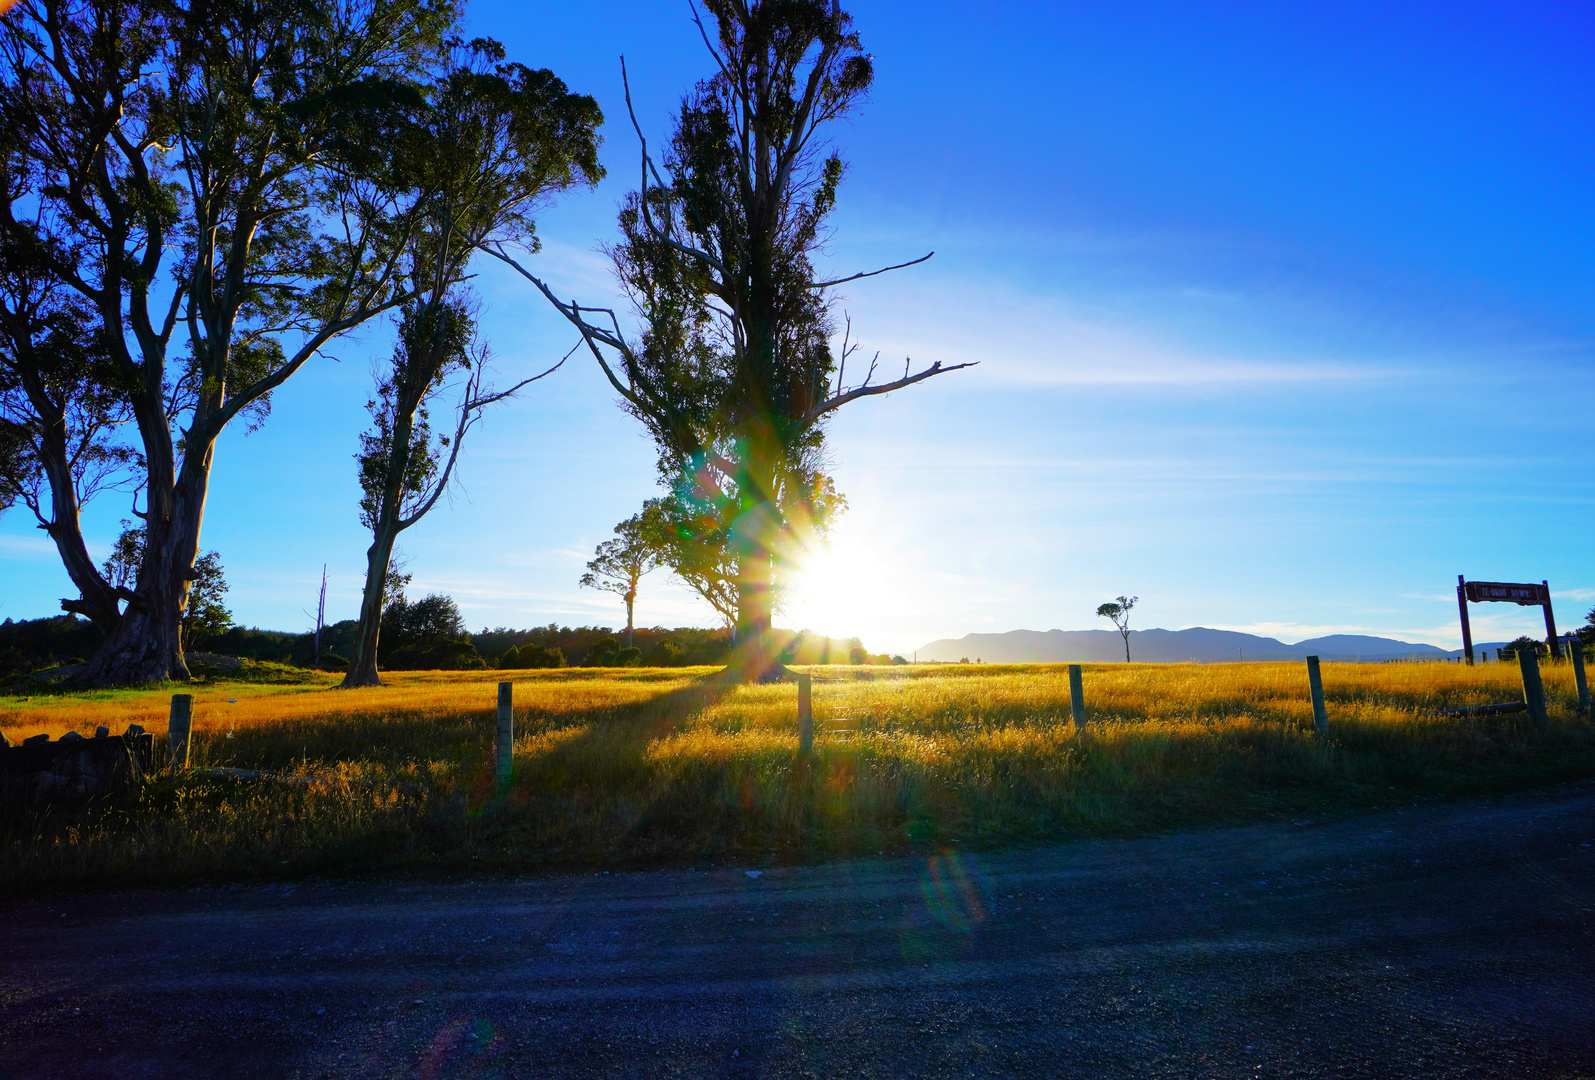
[
  {"x": 732, "y": 370},
  {"x": 1119, "y": 612}
]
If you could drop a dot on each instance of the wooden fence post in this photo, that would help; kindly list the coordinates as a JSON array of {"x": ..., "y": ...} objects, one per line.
[
  {"x": 805, "y": 714},
  {"x": 1533, "y": 692},
  {"x": 1076, "y": 696},
  {"x": 506, "y": 731},
  {"x": 1575, "y": 652},
  {"x": 178, "y": 727},
  {"x": 1315, "y": 683}
]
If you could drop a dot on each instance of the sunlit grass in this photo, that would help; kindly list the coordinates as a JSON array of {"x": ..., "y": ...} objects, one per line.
[{"x": 645, "y": 765}]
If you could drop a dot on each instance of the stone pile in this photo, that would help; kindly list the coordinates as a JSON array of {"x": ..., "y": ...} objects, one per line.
[{"x": 72, "y": 770}]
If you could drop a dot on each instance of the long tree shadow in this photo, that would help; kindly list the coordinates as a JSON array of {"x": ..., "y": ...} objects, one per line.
[{"x": 599, "y": 791}]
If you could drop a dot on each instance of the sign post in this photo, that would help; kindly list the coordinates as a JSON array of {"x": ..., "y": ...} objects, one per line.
[{"x": 1505, "y": 592}]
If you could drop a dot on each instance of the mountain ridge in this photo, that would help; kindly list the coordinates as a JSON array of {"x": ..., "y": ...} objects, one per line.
[{"x": 1198, "y": 644}]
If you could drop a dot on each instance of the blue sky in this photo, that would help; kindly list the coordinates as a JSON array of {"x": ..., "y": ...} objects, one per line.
[{"x": 1285, "y": 316}]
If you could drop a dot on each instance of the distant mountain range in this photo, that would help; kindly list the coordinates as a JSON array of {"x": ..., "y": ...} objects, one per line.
[{"x": 1199, "y": 644}]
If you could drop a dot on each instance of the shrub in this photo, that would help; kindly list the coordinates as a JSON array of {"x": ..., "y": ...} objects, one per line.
[
  {"x": 510, "y": 658},
  {"x": 665, "y": 654},
  {"x": 458, "y": 655},
  {"x": 1524, "y": 644},
  {"x": 331, "y": 661},
  {"x": 627, "y": 658},
  {"x": 602, "y": 652},
  {"x": 535, "y": 656}
]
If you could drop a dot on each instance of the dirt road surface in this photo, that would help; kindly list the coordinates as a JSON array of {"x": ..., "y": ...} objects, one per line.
[{"x": 1446, "y": 941}]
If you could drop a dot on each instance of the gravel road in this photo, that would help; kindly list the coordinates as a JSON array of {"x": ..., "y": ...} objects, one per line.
[{"x": 1446, "y": 941}]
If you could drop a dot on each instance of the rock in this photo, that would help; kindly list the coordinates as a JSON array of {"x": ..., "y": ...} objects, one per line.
[
  {"x": 4, "y": 742},
  {"x": 71, "y": 770},
  {"x": 133, "y": 729},
  {"x": 102, "y": 732}
]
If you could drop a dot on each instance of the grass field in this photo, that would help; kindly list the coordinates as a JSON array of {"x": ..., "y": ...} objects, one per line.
[{"x": 647, "y": 766}]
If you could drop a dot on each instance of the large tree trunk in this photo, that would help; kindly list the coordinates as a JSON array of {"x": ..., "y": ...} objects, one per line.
[
  {"x": 755, "y": 658},
  {"x": 631, "y": 600},
  {"x": 363, "y": 666},
  {"x": 147, "y": 644},
  {"x": 384, "y": 532}
]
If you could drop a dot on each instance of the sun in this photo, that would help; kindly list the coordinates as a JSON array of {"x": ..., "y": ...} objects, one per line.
[{"x": 845, "y": 587}]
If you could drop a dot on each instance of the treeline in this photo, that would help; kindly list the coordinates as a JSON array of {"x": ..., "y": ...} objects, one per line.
[{"x": 429, "y": 634}]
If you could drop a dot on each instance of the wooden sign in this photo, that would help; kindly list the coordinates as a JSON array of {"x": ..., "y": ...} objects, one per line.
[{"x": 1508, "y": 592}]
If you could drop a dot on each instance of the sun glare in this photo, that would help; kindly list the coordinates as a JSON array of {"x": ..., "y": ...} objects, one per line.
[{"x": 846, "y": 587}]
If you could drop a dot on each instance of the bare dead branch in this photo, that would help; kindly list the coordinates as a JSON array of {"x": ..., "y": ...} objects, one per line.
[
  {"x": 866, "y": 390},
  {"x": 870, "y": 273}
]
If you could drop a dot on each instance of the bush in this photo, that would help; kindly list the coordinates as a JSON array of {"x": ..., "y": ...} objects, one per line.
[
  {"x": 627, "y": 658},
  {"x": 1525, "y": 644},
  {"x": 665, "y": 654},
  {"x": 458, "y": 655},
  {"x": 601, "y": 653},
  {"x": 532, "y": 656},
  {"x": 331, "y": 661}
]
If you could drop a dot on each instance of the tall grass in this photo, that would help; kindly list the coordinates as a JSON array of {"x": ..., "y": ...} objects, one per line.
[{"x": 639, "y": 766}]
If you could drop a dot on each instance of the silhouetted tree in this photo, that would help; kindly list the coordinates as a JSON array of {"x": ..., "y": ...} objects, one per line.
[
  {"x": 1119, "y": 613},
  {"x": 205, "y": 170},
  {"x": 486, "y": 143},
  {"x": 618, "y": 565},
  {"x": 733, "y": 372}
]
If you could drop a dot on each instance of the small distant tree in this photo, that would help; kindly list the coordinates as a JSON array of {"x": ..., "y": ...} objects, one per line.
[
  {"x": 1586, "y": 633},
  {"x": 619, "y": 564},
  {"x": 1118, "y": 611},
  {"x": 205, "y": 617}
]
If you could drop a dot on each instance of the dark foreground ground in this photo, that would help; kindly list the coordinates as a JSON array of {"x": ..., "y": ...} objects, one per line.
[{"x": 1448, "y": 941}]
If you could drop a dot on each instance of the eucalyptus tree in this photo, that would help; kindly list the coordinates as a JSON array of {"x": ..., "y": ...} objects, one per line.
[
  {"x": 194, "y": 172},
  {"x": 1118, "y": 612},
  {"x": 732, "y": 370},
  {"x": 618, "y": 565},
  {"x": 486, "y": 144}
]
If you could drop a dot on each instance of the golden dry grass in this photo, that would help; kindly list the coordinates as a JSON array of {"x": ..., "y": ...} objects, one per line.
[{"x": 647, "y": 765}]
